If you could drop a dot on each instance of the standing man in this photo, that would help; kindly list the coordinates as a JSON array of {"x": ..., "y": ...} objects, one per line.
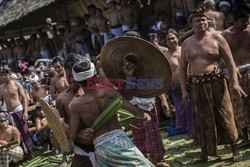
[
  {"x": 112, "y": 146},
  {"x": 238, "y": 37},
  {"x": 11, "y": 92},
  {"x": 83, "y": 147},
  {"x": 211, "y": 103},
  {"x": 183, "y": 114},
  {"x": 217, "y": 17},
  {"x": 114, "y": 16},
  {"x": 59, "y": 82}
]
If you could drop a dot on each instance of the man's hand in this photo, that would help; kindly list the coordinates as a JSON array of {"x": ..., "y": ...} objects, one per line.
[
  {"x": 165, "y": 107},
  {"x": 239, "y": 90},
  {"x": 147, "y": 118},
  {"x": 129, "y": 69},
  {"x": 25, "y": 116},
  {"x": 86, "y": 134},
  {"x": 185, "y": 98},
  {"x": 3, "y": 143}
]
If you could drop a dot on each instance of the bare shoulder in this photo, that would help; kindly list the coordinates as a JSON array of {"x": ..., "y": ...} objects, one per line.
[
  {"x": 187, "y": 42},
  {"x": 18, "y": 84},
  {"x": 14, "y": 129},
  {"x": 79, "y": 103}
]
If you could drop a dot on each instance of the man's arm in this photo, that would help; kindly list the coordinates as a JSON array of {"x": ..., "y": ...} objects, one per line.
[
  {"x": 59, "y": 107},
  {"x": 227, "y": 56},
  {"x": 24, "y": 100},
  {"x": 183, "y": 75},
  {"x": 73, "y": 127}
]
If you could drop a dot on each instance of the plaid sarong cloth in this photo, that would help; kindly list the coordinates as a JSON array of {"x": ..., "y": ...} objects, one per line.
[
  {"x": 7, "y": 155},
  {"x": 147, "y": 137},
  {"x": 115, "y": 149}
]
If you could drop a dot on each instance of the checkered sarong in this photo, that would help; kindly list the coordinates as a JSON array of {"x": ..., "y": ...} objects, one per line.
[
  {"x": 7, "y": 155},
  {"x": 147, "y": 137}
]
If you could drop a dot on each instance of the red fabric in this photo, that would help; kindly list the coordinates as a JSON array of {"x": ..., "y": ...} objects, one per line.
[{"x": 147, "y": 137}]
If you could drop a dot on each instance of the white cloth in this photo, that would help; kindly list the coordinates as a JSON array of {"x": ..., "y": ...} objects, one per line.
[
  {"x": 82, "y": 76},
  {"x": 224, "y": 3},
  {"x": 146, "y": 104},
  {"x": 117, "y": 32},
  {"x": 3, "y": 107},
  {"x": 127, "y": 28},
  {"x": 91, "y": 155},
  {"x": 33, "y": 79}
]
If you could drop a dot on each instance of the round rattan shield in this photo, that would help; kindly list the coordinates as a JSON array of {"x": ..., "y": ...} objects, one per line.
[
  {"x": 55, "y": 124},
  {"x": 153, "y": 74}
]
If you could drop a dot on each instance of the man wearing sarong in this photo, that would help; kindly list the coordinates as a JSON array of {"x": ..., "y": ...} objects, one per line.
[
  {"x": 112, "y": 146},
  {"x": 238, "y": 37},
  {"x": 183, "y": 114},
  {"x": 83, "y": 147},
  {"x": 114, "y": 17},
  {"x": 9, "y": 133},
  {"x": 211, "y": 104},
  {"x": 11, "y": 92}
]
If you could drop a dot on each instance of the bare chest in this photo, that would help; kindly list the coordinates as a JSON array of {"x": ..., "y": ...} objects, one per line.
[
  {"x": 6, "y": 135},
  {"x": 40, "y": 93},
  {"x": 10, "y": 91},
  {"x": 202, "y": 50},
  {"x": 61, "y": 84}
]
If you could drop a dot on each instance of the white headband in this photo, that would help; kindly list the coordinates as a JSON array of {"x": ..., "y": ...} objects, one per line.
[
  {"x": 224, "y": 3},
  {"x": 82, "y": 76},
  {"x": 33, "y": 79}
]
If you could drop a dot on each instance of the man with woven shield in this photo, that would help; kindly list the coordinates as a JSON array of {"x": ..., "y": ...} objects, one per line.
[{"x": 210, "y": 99}]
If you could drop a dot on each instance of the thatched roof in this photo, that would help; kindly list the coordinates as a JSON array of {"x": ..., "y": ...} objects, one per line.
[
  {"x": 12, "y": 10},
  {"x": 22, "y": 16}
]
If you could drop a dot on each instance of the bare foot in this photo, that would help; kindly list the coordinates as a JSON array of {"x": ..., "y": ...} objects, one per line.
[
  {"x": 200, "y": 158},
  {"x": 162, "y": 164}
]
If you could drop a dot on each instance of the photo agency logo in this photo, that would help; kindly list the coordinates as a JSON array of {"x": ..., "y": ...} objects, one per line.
[{"x": 128, "y": 83}]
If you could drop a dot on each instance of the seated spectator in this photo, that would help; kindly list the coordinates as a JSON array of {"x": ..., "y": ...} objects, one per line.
[
  {"x": 8, "y": 134},
  {"x": 42, "y": 129}
]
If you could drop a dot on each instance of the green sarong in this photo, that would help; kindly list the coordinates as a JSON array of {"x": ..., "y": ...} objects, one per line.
[{"x": 115, "y": 149}]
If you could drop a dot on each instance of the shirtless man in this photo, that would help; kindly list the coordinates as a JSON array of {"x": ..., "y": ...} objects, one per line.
[
  {"x": 102, "y": 25},
  {"x": 19, "y": 52},
  {"x": 178, "y": 13},
  {"x": 211, "y": 104},
  {"x": 8, "y": 134},
  {"x": 8, "y": 54},
  {"x": 81, "y": 145},
  {"x": 225, "y": 7},
  {"x": 238, "y": 37},
  {"x": 11, "y": 92},
  {"x": 42, "y": 129},
  {"x": 183, "y": 115},
  {"x": 114, "y": 16},
  {"x": 95, "y": 100},
  {"x": 59, "y": 82},
  {"x": 44, "y": 46},
  {"x": 128, "y": 17},
  {"x": 217, "y": 17},
  {"x": 39, "y": 91},
  {"x": 32, "y": 50}
]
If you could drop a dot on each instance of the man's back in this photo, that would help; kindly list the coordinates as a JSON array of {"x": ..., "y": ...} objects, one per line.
[{"x": 217, "y": 18}]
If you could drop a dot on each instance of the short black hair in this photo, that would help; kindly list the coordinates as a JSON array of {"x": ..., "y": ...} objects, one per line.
[
  {"x": 58, "y": 59},
  {"x": 71, "y": 59},
  {"x": 172, "y": 31},
  {"x": 6, "y": 70},
  {"x": 240, "y": 10}
]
